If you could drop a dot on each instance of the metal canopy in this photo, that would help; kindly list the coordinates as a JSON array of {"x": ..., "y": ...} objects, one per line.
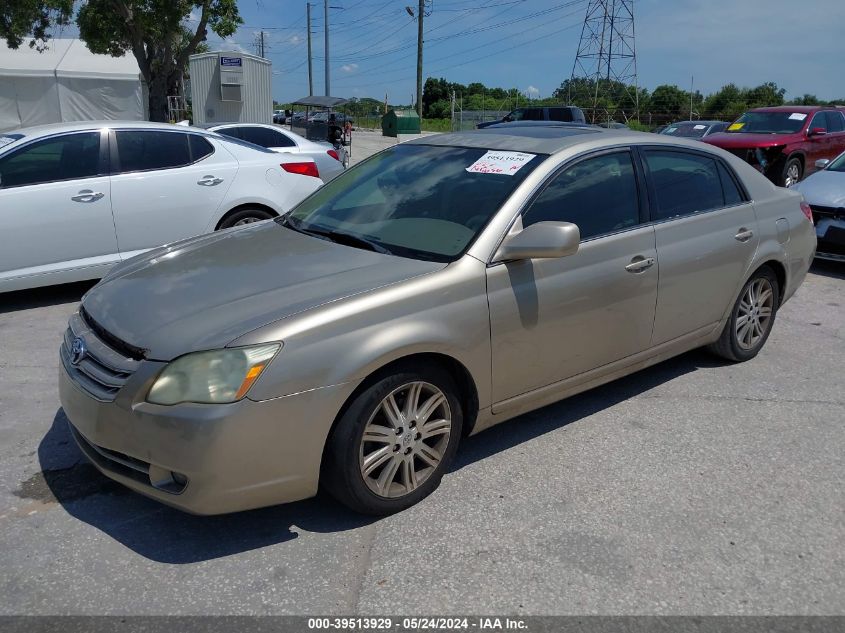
[{"x": 320, "y": 102}]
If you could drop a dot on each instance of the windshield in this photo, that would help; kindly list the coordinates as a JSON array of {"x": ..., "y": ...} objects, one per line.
[
  {"x": 418, "y": 201},
  {"x": 686, "y": 130},
  {"x": 769, "y": 123},
  {"x": 838, "y": 164}
]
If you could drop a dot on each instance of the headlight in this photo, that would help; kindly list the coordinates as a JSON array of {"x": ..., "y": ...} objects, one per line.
[{"x": 214, "y": 377}]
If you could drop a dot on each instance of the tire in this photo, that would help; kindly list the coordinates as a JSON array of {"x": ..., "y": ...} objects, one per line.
[
  {"x": 397, "y": 466},
  {"x": 792, "y": 173},
  {"x": 758, "y": 301},
  {"x": 245, "y": 216}
]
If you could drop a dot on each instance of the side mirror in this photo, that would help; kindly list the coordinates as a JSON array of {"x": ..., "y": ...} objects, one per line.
[
  {"x": 544, "y": 240},
  {"x": 817, "y": 131},
  {"x": 822, "y": 163}
]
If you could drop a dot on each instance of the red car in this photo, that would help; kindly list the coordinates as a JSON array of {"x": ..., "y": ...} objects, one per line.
[{"x": 784, "y": 142}]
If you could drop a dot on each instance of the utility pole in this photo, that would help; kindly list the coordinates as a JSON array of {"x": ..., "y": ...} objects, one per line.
[
  {"x": 691, "y": 85},
  {"x": 420, "y": 58},
  {"x": 326, "y": 21},
  {"x": 310, "y": 69}
]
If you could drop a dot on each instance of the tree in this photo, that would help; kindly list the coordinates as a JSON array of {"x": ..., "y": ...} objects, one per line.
[{"x": 154, "y": 31}]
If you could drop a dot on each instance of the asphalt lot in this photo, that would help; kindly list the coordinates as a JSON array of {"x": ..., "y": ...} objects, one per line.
[{"x": 692, "y": 487}]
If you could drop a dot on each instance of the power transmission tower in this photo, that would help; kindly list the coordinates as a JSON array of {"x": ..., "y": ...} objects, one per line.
[
  {"x": 310, "y": 70},
  {"x": 607, "y": 55}
]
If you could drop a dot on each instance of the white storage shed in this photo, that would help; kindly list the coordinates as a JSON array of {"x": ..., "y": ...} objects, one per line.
[
  {"x": 231, "y": 87},
  {"x": 67, "y": 82}
]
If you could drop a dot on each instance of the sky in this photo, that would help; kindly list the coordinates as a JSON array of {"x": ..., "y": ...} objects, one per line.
[{"x": 531, "y": 44}]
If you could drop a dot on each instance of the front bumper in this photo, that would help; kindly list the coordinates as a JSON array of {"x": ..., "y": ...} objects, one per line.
[
  {"x": 205, "y": 459},
  {"x": 830, "y": 232}
]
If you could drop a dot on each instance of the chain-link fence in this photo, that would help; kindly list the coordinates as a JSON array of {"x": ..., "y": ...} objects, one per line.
[{"x": 468, "y": 119}]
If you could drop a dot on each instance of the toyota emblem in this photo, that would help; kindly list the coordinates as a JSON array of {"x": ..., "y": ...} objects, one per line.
[{"x": 77, "y": 350}]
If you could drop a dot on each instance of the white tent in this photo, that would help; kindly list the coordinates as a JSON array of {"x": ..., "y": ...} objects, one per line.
[{"x": 67, "y": 82}]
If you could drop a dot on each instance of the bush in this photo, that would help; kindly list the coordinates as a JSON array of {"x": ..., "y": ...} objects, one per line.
[{"x": 436, "y": 125}]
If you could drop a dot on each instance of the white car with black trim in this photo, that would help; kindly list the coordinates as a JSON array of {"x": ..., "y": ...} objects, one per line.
[{"x": 77, "y": 198}]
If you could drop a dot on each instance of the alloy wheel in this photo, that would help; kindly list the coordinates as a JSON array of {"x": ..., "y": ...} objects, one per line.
[
  {"x": 754, "y": 313},
  {"x": 793, "y": 174},
  {"x": 405, "y": 439}
]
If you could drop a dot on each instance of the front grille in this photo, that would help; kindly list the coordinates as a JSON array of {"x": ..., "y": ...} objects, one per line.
[{"x": 102, "y": 370}]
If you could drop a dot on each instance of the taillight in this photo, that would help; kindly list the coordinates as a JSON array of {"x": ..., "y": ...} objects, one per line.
[
  {"x": 333, "y": 154},
  {"x": 807, "y": 211},
  {"x": 303, "y": 169}
]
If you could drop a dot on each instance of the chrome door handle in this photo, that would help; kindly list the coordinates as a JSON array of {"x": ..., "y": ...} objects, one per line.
[
  {"x": 744, "y": 235},
  {"x": 639, "y": 264},
  {"x": 209, "y": 181},
  {"x": 86, "y": 195}
]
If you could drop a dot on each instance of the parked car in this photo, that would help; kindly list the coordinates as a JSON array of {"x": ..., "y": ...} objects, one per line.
[
  {"x": 567, "y": 114},
  {"x": 330, "y": 161},
  {"x": 612, "y": 125},
  {"x": 785, "y": 142},
  {"x": 77, "y": 198},
  {"x": 695, "y": 129},
  {"x": 443, "y": 286},
  {"x": 825, "y": 193},
  {"x": 280, "y": 117}
]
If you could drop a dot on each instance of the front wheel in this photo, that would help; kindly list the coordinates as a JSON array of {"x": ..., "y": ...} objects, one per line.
[
  {"x": 392, "y": 445},
  {"x": 792, "y": 172},
  {"x": 752, "y": 318}
]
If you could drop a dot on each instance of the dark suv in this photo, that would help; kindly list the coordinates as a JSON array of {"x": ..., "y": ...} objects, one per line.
[
  {"x": 567, "y": 114},
  {"x": 784, "y": 142}
]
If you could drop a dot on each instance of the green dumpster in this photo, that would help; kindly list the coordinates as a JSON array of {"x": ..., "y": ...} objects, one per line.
[{"x": 397, "y": 122}]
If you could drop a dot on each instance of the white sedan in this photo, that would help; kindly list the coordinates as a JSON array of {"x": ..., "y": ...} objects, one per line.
[
  {"x": 330, "y": 161},
  {"x": 77, "y": 198}
]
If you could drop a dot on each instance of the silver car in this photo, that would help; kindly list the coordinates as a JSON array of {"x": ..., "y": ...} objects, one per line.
[
  {"x": 825, "y": 193},
  {"x": 438, "y": 288}
]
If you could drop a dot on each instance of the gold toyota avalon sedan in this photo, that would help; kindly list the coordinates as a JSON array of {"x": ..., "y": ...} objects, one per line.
[{"x": 436, "y": 289}]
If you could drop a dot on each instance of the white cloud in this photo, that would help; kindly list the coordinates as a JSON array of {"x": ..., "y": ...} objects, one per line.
[
  {"x": 295, "y": 39},
  {"x": 349, "y": 68},
  {"x": 532, "y": 91},
  {"x": 232, "y": 45}
]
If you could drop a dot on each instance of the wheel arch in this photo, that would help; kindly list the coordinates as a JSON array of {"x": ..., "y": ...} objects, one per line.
[{"x": 241, "y": 207}]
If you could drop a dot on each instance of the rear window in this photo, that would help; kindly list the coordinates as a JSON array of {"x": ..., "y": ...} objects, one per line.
[{"x": 686, "y": 130}]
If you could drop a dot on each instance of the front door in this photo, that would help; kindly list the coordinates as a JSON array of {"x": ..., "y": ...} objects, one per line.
[
  {"x": 55, "y": 207},
  {"x": 552, "y": 319}
]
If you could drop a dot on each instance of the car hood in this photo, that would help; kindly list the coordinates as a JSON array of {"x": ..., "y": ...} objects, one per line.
[
  {"x": 738, "y": 140},
  {"x": 205, "y": 292},
  {"x": 824, "y": 188}
]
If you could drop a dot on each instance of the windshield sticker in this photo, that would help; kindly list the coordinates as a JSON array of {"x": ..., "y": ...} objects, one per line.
[
  {"x": 797, "y": 116},
  {"x": 5, "y": 140},
  {"x": 700, "y": 127},
  {"x": 507, "y": 163},
  {"x": 733, "y": 127}
]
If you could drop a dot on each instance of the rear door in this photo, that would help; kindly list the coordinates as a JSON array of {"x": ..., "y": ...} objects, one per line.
[
  {"x": 706, "y": 233},
  {"x": 166, "y": 186},
  {"x": 55, "y": 206}
]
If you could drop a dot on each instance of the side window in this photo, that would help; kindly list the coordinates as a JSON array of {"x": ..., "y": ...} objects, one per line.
[
  {"x": 68, "y": 157},
  {"x": 560, "y": 114},
  {"x": 143, "y": 150},
  {"x": 232, "y": 132},
  {"x": 729, "y": 188},
  {"x": 200, "y": 147},
  {"x": 819, "y": 120},
  {"x": 532, "y": 114},
  {"x": 835, "y": 122},
  {"x": 259, "y": 135},
  {"x": 280, "y": 139},
  {"x": 597, "y": 194},
  {"x": 684, "y": 183}
]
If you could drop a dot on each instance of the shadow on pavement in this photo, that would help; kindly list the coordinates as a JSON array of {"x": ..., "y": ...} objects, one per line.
[
  {"x": 827, "y": 268},
  {"x": 42, "y": 297},
  {"x": 165, "y": 535}
]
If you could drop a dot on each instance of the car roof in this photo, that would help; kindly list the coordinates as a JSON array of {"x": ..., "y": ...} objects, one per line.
[
  {"x": 78, "y": 126},
  {"x": 557, "y": 124},
  {"x": 697, "y": 122},
  {"x": 789, "y": 108},
  {"x": 547, "y": 139}
]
